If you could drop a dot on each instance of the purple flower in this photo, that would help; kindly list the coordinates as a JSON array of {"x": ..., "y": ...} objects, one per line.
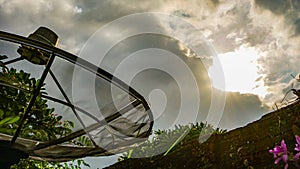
[
  {"x": 297, "y": 148},
  {"x": 280, "y": 152}
]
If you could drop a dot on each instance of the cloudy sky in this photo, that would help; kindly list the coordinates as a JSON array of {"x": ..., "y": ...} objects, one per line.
[{"x": 256, "y": 42}]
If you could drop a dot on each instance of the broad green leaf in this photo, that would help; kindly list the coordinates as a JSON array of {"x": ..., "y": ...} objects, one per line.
[
  {"x": 1, "y": 113},
  {"x": 7, "y": 131},
  {"x": 9, "y": 120}
]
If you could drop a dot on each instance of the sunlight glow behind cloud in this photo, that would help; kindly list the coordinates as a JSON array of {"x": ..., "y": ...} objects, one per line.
[{"x": 240, "y": 71}]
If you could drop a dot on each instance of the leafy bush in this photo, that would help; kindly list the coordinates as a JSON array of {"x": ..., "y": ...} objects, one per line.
[
  {"x": 32, "y": 164},
  {"x": 15, "y": 93},
  {"x": 170, "y": 139},
  {"x": 42, "y": 124}
]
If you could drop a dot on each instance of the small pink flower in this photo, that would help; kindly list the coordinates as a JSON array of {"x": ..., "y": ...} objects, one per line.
[
  {"x": 297, "y": 148},
  {"x": 281, "y": 153},
  {"x": 298, "y": 143},
  {"x": 54, "y": 114}
]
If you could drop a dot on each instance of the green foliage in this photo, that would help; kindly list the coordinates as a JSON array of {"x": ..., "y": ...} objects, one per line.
[
  {"x": 42, "y": 123},
  {"x": 32, "y": 164},
  {"x": 15, "y": 92},
  {"x": 170, "y": 139},
  {"x": 82, "y": 141}
]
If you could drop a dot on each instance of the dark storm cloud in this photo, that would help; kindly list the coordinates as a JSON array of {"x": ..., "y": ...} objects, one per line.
[
  {"x": 275, "y": 6},
  {"x": 74, "y": 21},
  {"x": 287, "y": 8},
  {"x": 107, "y": 11},
  {"x": 148, "y": 80},
  {"x": 240, "y": 109}
]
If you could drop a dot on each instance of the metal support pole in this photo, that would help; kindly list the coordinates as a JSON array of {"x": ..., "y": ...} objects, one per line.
[
  {"x": 13, "y": 60},
  {"x": 36, "y": 92}
]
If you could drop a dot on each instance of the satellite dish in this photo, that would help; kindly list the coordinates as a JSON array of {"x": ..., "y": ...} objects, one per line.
[{"x": 120, "y": 120}]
